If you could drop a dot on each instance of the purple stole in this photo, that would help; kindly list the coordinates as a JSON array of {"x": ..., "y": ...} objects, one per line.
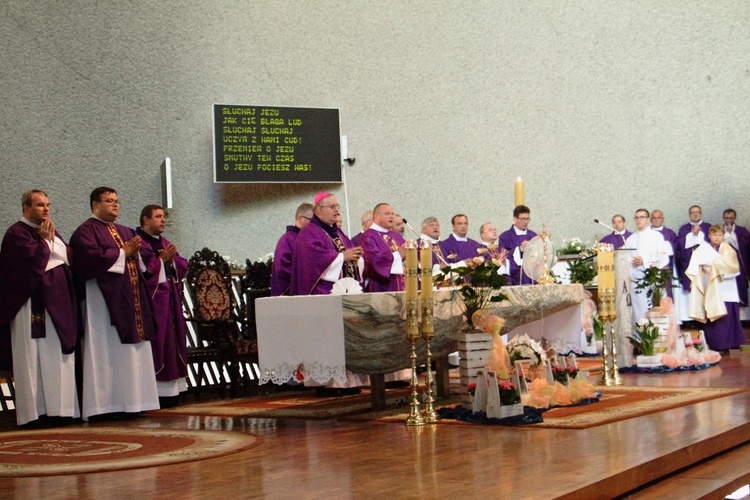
[{"x": 96, "y": 247}]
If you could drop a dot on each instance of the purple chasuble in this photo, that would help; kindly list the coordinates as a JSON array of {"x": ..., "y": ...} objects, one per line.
[
  {"x": 743, "y": 255},
  {"x": 378, "y": 251},
  {"x": 456, "y": 251},
  {"x": 510, "y": 240},
  {"x": 616, "y": 240},
  {"x": 281, "y": 274},
  {"x": 23, "y": 260},
  {"x": 169, "y": 345},
  {"x": 94, "y": 252},
  {"x": 684, "y": 254},
  {"x": 316, "y": 247}
]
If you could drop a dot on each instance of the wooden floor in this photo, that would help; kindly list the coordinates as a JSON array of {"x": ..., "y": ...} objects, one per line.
[{"x": 315, "y": 459}]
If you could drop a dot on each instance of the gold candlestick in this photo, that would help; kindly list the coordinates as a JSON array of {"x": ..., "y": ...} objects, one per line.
[
  {"x": 428, "y": 331},
  {"x": 412, "y": 330}
]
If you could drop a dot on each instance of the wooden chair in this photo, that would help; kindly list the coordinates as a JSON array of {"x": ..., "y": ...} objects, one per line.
[{"x": 218, "y": 319}]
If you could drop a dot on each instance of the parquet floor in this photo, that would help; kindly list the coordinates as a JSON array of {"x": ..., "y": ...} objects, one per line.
[{"x": 316, "y": 459}]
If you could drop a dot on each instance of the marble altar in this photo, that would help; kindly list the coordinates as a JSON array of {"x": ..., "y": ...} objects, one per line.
[{"x": 366, "y": 333}]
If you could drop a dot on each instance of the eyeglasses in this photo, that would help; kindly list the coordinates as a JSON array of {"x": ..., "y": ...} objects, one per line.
[
  {"x": 306, "y": 218},
  {"x": 334, "y": 207},
  {"x": 525, "y": 219},
  {"x": 110, "y": 201}
]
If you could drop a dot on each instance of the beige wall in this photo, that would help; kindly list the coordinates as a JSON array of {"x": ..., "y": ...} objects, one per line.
[{"x": 602, "y": 107}]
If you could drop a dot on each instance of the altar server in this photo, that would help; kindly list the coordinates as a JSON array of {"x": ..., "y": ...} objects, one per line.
[
  {"x": 118, "y": 321},
  {"x": 458, "y": 247},
  {"x": 619, "y": 235},
  {"x": 165, "y": 270},
  {"x": 322, "y": 253},
  {"x": 281, "y": 274},
  {"x": 37, "y": 298},
  {"x": 383, "y": 253},
  {"x": 714, "y": 298},
  {"x": 647, "y": 249},
  {"x": 515, "y": 240}
]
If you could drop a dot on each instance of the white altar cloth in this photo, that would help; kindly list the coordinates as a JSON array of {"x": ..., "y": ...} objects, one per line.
[{"x": 306, "y": 333}]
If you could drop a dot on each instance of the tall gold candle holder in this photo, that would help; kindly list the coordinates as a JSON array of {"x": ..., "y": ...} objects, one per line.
[
  {"x": 608, "y": 314},
  {"x": 428, "y": 331},
  {"x": 412, "y": 331}
]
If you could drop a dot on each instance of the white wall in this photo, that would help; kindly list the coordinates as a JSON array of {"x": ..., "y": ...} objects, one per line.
[{"x": 602, "y": 107}]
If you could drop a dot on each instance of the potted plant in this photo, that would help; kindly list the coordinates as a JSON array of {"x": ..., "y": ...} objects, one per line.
[
  {"x": 654, "y": 283},
  {"x": 478, "y": 285},
  {"x": 645, "y": 333}
]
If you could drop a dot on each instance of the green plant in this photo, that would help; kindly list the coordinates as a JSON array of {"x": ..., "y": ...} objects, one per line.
[
  {"x": 582, "y": 270},
  {"x": 478, "y": 286},
  {"x": 654, "y": 281},
  {"x": 598, "y": 327},
  {"x": 644, "y": 336}
]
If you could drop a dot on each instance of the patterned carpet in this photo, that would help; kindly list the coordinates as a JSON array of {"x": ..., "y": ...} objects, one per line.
[
  {"x": 79, "y": 450},
  {"x": 616, "y": 403}
]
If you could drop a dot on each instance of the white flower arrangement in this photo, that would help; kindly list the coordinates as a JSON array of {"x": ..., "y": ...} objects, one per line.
[
  {"x": 524, "y": 347},
  {"x": 574, "y": 246}
]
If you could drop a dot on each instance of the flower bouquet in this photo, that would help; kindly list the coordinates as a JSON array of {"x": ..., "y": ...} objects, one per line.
[{"x": 563, "y": 374}]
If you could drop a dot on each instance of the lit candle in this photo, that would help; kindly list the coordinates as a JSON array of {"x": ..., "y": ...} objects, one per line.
[
  {"x": 519, "y": 191},
  {"x": 428, "y": 326},
  {"x": 412, "y": 294}
]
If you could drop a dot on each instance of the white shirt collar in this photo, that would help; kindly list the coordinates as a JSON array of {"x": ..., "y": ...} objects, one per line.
[
  {"x": 378, "y": 228},
  {"x": 29, "y": 223},
  {"x": 428, "y": 239},
  {"x": 519, "y": 232},
  {"x": 459, "y": 238}
]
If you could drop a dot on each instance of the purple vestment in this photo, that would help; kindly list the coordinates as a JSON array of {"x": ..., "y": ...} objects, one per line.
[
  {"x": 378, "y": 251},
  {"x": 169, "y": 346},
  {"x": 616, "y": 240},
  {"x": 356, "y": 237},
  {"x": 23, "y": 260},
  {"x": 743, "y": 255},
  {"x": 510, "y": 240},
  {"x": 456, "y": 251},
  {"x": 281, "y": 274},
  {"x": 682, "y": 258},
  {"x": 670, "y": 237},
  {"x": 94, "y": 252},
  {"x": 316, "y": 247}
]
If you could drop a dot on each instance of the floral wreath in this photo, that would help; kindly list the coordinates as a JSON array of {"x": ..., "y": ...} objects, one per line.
[{"x": 524, "y": 347}]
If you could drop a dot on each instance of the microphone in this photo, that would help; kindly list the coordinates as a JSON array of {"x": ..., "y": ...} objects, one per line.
[
  {"x": 603, "y": 224},
  {"x": 613, "y": 229}
]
